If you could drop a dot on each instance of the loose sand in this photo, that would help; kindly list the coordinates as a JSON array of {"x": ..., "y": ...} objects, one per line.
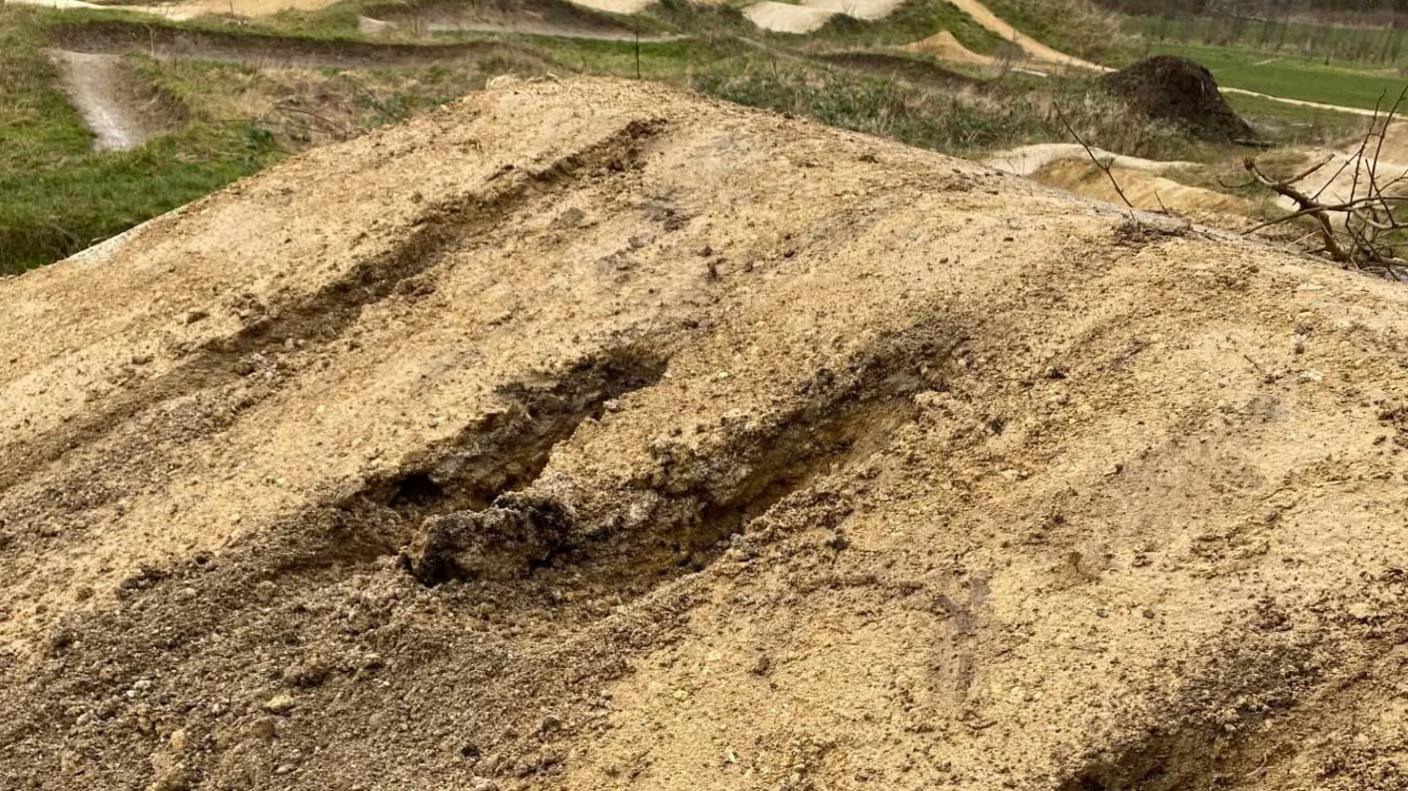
[{"x": 590, "y": 435}]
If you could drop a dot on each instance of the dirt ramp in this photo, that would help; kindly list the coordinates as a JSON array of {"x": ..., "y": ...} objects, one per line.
[
  {"x": 166, "y": 42},
  {"x": 528, "y": 443},
  {"x": 1148, "y": 192}
]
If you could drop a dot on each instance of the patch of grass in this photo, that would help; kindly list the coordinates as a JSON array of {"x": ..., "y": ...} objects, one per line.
[
  {"x": 1290, "y": 124},
  {"x": 1075, "y": 27},
  {"x": 59, "y": 196},
  {"x": 1285, "y": 77},
  {"x": 913, "y": 20},
  {"x": 662, "y": 60},
  {"x": 1002, "y": 114},
  {"x": 1330, "y": 45}
]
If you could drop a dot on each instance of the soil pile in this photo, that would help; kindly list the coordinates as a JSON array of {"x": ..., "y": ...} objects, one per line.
[
  {"x": 1178, "y": 90},
  {"x": 592, "y": 435}
]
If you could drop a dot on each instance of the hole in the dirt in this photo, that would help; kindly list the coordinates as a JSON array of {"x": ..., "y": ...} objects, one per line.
[{"x": 415, "y": 490}]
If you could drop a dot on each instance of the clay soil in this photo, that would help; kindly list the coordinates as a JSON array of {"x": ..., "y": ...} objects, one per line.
[{"x": 591, "y": 435}]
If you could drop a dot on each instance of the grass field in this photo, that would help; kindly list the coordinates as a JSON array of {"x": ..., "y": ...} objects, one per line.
[
  {"x": 1353, "y": 47},
  {"x": 1075, "y": 27},
  {"x": 1287, "y": 77}
]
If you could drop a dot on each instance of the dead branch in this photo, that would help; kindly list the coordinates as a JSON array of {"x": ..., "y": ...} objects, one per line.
[
  {"x": 1104, "y": 167},
  {"x": 1308, "y": 207},
  {"x": 1367, "y": 229}
]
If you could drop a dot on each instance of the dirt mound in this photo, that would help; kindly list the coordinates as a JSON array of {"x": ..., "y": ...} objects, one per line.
[
  {"x": 1028, "y": 159},
  {"x": 944, "y": 46},
  {"x": 592, "y": 435},
  {"x": 1147, "y": 191},
  {"x": 1178, "y": 90}
]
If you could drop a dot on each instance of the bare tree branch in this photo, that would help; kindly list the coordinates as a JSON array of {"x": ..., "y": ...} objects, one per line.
[{"x": 1104, "y": 167}]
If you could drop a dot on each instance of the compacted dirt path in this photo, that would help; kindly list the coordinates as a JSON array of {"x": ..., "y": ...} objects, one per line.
[{"x": 99, "y": 88}]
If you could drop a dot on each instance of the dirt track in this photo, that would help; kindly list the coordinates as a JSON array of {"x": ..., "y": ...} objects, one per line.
[
  {"x": 590, "y": 435},
  {"x": 99, "y": 89}
]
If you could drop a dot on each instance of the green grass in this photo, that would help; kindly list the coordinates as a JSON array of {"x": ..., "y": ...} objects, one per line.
[
  {"x": 1290, "y": 124},
  {"x": 59, "y": 196},
  {"x": 1075, "y": 27},
  {"x": 1286, "y": 77}
]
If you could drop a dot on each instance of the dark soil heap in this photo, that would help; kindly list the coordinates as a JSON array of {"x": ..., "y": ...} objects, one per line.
[{"x": 1176, "y": 89}]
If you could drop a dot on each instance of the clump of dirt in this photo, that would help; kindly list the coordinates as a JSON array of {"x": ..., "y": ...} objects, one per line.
[
  {"x": 1175, "y": 89},
  {"x": 594, "y": 435}
]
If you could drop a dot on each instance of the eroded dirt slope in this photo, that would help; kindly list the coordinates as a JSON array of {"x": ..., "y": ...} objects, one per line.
[{"x": 590, "y": 435}]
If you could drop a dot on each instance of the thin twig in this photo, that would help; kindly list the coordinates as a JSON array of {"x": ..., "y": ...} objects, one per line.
[{"x": 1105, "y": 168}]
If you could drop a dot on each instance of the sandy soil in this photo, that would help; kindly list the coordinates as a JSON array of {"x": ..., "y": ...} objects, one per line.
[
  {"x": 857, "y": 9},
  {"x": 590, "y": 435},
  {"x": 1026, "y": 160},
  {"x": 1346, "y": 174},
  {"x": 1148, "y": 192},
  {"x": 786, "y": 17},
  {"x": 534, "y": 17},
  {"x": 944, "y": 46},
  {"x": 812, "y": 14},
  {"x": 616, "y": 6}
]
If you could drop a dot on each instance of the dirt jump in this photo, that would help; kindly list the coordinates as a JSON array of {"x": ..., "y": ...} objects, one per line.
[
  {"x": 811, "y": 15},
  {"x": 120, "y": 114},
  {"x": 1147, "y": 191},
  {"x": 169, "y": 43},
  {"x": 944, "y": 46},
  {"x": 592, "y": 435}
]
